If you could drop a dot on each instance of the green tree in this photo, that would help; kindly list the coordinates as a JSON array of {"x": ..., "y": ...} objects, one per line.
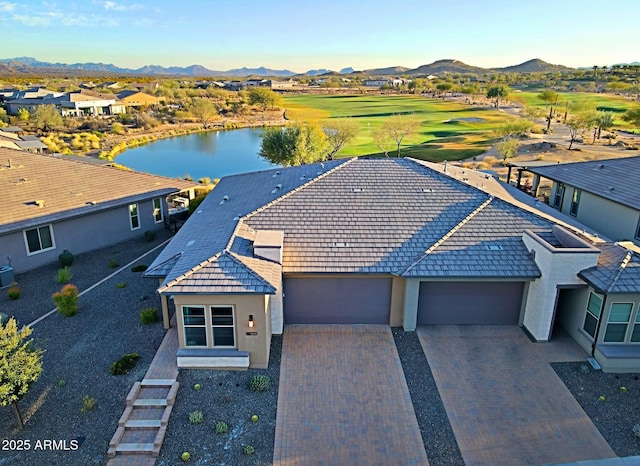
[
  {"x": 4, "y": 118},
  {"x": 299, "y": 144},
  {"x": 578, "y": 123},
  {"x": 23, "y": 114},
  {"x": 550, "y": 98},
  {"x": 339, "y": 132},
  {"x": 46, "y": 117},
  {"x": 632, "y": 116},
  {"x": 514, "y": 128},
  {"x": 498, "y": 92},
  {"x": 398, "y": 127},
  {"x": 507, "y": 148},
  {"x": 603, "y": 121},
  {"x": 204, "y": 110},
  {"x": 20, "y": 364},
  {"x": 263, "y": 98}
]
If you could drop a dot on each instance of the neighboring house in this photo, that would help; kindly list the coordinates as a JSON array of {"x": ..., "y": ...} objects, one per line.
[
  {"x": 109, "y": 85},
  {"x": 12, "y": 140},
  {"x": 382, "y": 241},
  {"x": 51, "y": 204},
  {"x": 136, "y": 99},
  {"x": 375, "y": 82},
  {"x": 602, "y": 194},
  {"x": 69, "y": 104}
]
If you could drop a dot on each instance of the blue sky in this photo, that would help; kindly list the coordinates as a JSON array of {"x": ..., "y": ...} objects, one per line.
[{"x": 301, "y": 35}]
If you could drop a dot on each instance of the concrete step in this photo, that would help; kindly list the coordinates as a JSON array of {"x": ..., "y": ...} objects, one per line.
[
  {"x": 157, "y": 382},
  {"x": 135, "y": 448},
  {"x": 143, "y": 424},
  {"x": 150, "y": 402}
]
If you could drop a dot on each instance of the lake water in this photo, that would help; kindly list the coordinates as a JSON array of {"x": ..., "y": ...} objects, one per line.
[{"x": 212, "y": 154}]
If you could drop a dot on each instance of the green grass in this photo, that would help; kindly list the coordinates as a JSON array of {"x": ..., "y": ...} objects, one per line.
[
  {"x": 438, "y": 138},
  {"x": 605, "y": 102}
]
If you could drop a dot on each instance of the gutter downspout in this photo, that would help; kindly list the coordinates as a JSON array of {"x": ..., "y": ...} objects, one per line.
[{"x": 595, "y": 338}]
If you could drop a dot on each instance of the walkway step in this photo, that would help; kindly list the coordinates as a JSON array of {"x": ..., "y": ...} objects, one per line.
[
  {"x": 150, "y": 402},
  {"x": 143, "y": 424},
  {"x": 133, "y": 393},
  {"x": 135, "y": 448},
  {"x": 157, "y": 382}
]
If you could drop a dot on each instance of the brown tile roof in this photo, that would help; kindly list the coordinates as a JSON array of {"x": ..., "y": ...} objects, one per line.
[{"x": 68, "y": 188}]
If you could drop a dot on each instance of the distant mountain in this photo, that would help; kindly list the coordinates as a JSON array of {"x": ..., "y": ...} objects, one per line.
[
  {"x": 445, "y": 66},
  {"x": 262, "y": 71},
  {"x": 392, "y": 70},
  {"x": 531, "y": 66},
  {"x": 317, "y": 72},
  {"x": 347, "y": 70}
]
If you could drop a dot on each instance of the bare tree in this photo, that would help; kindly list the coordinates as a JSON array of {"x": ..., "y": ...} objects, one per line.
[
  {"x": 398, "y": 127},
  {"x": 339, "y": 132}
]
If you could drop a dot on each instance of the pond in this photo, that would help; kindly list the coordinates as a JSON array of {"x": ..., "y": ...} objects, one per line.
[{"x": 211, "y": 154}]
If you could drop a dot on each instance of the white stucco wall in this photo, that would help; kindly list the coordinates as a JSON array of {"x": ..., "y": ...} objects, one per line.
[
  {"x": 559, "y": 266},
  {"x": 277, "y": 314}
]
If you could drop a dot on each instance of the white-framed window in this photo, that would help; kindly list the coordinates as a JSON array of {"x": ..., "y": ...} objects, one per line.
[
  {"x": 157, "y": 210},
  {"x": 134, "y": 219},
  {"x": 575, "y": 202},
  {"x": 594, "y": 307},
  {"x": 559, "y": 196},
  {"x": 194, "y": 326},
  {"x": 39, "y": 239},
  {"x": 638, "y": 230},
  {"x": 635, "y": 333},
  {"x": 618, "y": 324},
  {"x": 222, "y": 327}
]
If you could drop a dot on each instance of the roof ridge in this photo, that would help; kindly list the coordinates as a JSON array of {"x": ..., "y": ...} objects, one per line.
[
  {"x": 621, "y": 268},
  {"x": 450, "y": 233},
  {"x": 176, "y": 255},
  {"x": 295, "y": 190},
  {"x": 235, "y": 258},
  {"x": 190, "y": 272}
]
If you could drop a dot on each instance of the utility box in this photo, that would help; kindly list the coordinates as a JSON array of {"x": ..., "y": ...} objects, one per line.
[{"x": 6, "y": 276}]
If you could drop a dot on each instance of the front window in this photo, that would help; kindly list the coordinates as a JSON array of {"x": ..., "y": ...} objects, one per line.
[
  {"x": 222, "y": 327},
  {"x": 594, "y": 307},
  {"x": 133, "y": 216},
  {"x": 575, "y": 202},
  {"x": 39, "y": 239},
  {"x": 618, "y": 322},
  {"x": 557, "y": 199},
  {"x": 195, "y": 331},
  {"x": 157, "y": 210}
]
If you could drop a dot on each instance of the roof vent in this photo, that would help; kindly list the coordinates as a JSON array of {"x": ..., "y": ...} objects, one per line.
[
  {"x": 191, "y": 242},
  {"x": 357, "y": 190},
  {"x": 303, "y": 176},
  {"x": 611, "y": 188},
  {"x": 493, "y": 247},
  {"x": 91, "y": 202},
  {"x": 601, "y": 166},
  {"x": 224, "y": 199},
  {"x": 39, "y": 202},
  {"x": 277, "y": 188},
  {"x": 277, "y": 173},
  {"x": 339, "y": 245},
  {"x": 426, "y": 190}
]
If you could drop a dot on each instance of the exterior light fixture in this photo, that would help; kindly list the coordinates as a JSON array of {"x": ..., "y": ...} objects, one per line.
[{"x": 250, "y": 323}]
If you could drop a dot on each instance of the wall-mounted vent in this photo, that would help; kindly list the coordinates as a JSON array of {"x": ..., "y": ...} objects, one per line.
[{"x": 493, "y": 247}]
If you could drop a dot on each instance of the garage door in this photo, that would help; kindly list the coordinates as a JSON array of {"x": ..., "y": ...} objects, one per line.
[
  {"x": 337, "y": 300},
  {"x": 477, "y": 303}
]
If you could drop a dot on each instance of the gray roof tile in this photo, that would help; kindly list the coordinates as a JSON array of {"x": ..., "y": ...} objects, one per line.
[{"x": 617, "y": 271}]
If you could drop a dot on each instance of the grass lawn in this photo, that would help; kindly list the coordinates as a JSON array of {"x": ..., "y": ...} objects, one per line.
[{"x": 445, "y": 133}]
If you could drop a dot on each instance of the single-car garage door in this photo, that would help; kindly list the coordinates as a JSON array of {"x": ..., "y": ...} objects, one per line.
[
  {"x": 476, "y": 303},
  {"x": 337, "y": 300}
]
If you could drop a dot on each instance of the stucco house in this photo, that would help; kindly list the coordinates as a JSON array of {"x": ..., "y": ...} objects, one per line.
[
  {"x": 52, "y": 204},
  {"x": 602, "y": 194},
  {"x": 383, "y": 241}
]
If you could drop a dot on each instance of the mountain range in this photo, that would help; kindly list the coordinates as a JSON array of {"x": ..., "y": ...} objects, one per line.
[{"x": 27, "y": 65}]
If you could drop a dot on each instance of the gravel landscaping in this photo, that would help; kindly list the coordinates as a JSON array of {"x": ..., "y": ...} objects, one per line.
[
  {"x": 437, "y": 435},
  {"x": 224, "y": 396},
  {"x": 616, "y": 414},
  {"x": 78, "y": 353}
]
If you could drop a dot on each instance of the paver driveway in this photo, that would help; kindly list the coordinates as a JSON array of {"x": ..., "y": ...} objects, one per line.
[
  {"x": 505, "y": 403},
  {"x": 343, "y": 399}
]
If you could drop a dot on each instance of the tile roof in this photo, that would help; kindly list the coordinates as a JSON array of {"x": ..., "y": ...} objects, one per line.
[
  {"x": 618, "y": 270},
  {"x": 614, "y": 179},
  {"x": 68, "y": 188},
  {"x": 393, "y": 216}
]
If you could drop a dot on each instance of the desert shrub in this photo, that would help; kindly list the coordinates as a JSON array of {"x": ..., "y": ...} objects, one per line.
[
  {"x": 222, "y": 427},
  {"x": 124, "y": 364},
  {"x": 490, "y": 160},
  {"x": 467, "y": 165},
  {"x": 67, "y": 300},
  {"x": 121, "y": 285},
  {"x": 88, "y": 403},
  {"x": 149, "y": 315},
  {"x": 13, "y": 292},
  {"x": 117, "y": 128},
  {"x": 249, "y": 450},
  {"x": 196, "y": 417},
  {"x": 66, "y": 258},
  {"x": 64, "y": 275},
  {"x": 139, "y": 268},
  {"x": 259, "y": 383},
  {"x": 113, "y": 263}
]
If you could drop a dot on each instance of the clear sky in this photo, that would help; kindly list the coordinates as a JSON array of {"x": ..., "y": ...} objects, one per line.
[{"x": 300, "y": 35}]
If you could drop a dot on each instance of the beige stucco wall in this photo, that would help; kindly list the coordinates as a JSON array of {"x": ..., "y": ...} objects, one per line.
[
  {"x": 257, "y": 345},
  {"x": 397, "y": 302}
]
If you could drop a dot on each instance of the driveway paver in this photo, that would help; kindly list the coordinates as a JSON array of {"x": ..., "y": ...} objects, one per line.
[
  {"x": 343, "y": 399},
  {"x": 505, "y": 403}
]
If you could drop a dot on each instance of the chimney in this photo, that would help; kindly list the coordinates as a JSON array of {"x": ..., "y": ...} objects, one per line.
[{"x": 268, "y": 245}]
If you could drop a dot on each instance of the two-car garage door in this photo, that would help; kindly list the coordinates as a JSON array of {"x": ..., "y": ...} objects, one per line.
[
  {"x": 474, "y": 303},
  {"x": 337, "y": 300}
]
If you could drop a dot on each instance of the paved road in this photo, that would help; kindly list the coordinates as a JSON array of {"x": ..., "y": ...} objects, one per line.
[
  {"x": 343, "y": 399},
  {"x": 505, "y": 403}
]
